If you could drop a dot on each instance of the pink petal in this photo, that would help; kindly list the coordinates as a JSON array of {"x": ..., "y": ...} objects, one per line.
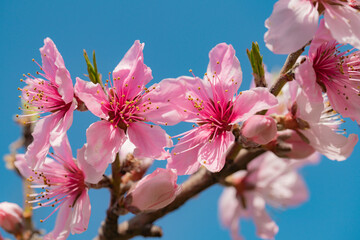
[
  {"x": 58, "y": 134},
  {"x": 291, "y": 25},
  {"x": 227, "y": 67},
  {"x": 81, "y": 212},
  {"x": 62, "y": 224},
  {"x": 92, "y": 174},
  {"x": 212, "y": 154},
  {"x": 132, "y": 71},
  {"x": 62, "y": 149},
  {"x": 39, "y": 148},
  {"x": 347, "y": 103},
  {"x": 65, "y": 85},
  {"x": 170, "y": 96},
  {"x": 334, "y": 146},
  {"x": 185, "y": 153},
  {"x": 22, "y": 165},
  {"x": 308, "y": 110},
  {"x": 289, "y": 189},
  {"x": 230, "y": 211},
  {"x": 149, "y": 140},
  {"x": 92, "y": 95},
  {"x": 343, "y": 23},
  {"x": 228, "y": 207},
  {"x": 322, "y": 35},
  {"x": 265, "y": 226},
  {"x": 252, "y": 101},
  {"x": 306, "y": 77},
  {"x": 102, "y": 148},
  {"x": 51, "y": 59}
]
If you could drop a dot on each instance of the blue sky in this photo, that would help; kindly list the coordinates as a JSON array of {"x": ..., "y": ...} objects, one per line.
[{"x": 178, "y": 36}]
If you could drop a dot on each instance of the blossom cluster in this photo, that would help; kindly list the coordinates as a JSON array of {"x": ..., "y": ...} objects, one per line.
[{"x": 294, "y": 126}]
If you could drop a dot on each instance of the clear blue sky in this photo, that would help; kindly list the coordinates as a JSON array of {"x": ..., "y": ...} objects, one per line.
[{"x": 178, "y": 36}]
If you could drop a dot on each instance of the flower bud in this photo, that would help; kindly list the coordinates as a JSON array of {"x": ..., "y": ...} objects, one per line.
[
  {"x": 259, "y": 129},
  {"x": 153, "y": 192},
  {"x": 11, "y": 217}
]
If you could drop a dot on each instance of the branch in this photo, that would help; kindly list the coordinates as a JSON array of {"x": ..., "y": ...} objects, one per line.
[
  {"x": 109, "y": 226},
  {"x": 196, "y": 183},
  {"x": 286, "y": 73}
]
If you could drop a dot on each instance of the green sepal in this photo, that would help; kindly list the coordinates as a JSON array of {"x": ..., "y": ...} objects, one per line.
[
  {"x": 93, "y": 74},
  {"x": 257, "y": 65}
]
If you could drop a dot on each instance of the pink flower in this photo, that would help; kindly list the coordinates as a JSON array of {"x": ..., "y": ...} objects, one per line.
[
  {"x": 259, "y": 129},
  {"x": 329, "y": 70},
  {"x": 153, "y": 192},
  {"x": 316, "y": 123},
  {"x": 64, "y": 180},
  {"x": 52, "y": 94},
  {"x": 211, "y": 104},
  {"x": 11, "y": 217},
  {"x": 294, "y": 22},
  {"x": 123, "y": 107},
  {"x": 269, "y": 180}
]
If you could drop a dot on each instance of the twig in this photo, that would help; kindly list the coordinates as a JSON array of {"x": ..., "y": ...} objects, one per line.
[
  {"x": 108, "y": 229},
  {"x": 286, "y": 74}
]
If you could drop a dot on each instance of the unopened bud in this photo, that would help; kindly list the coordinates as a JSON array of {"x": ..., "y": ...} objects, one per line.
[
  {"x": 259, "y": 129},
  {"x": 153, "y": 192},
  {"x": 11, "y": 217}
]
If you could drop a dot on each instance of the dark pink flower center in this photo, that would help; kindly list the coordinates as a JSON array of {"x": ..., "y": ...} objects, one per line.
[
  {"x": 61, "y": 182},
  {"x": 124, "y": 110},
  {"x": 216, "y": 115},
  {"x": 41, "y": 95},
  {"x": 328, "y": 63}
]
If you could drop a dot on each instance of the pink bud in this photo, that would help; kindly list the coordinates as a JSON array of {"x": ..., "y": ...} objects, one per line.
[
  {"x": 154, "y": 191},
  {"x": 259, "y": 129},
  {"x": 11, "y": 217}
]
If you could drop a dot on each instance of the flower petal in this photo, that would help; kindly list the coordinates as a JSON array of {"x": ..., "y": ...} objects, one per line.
[
  {"x": 92, "y": 174},
  {"x": 306, "y": 77},
  {"x": 265, "y": 226},
  {"x": 322, "y": 35},
  {"x": 212, "y": 154},
  {"x": 149, "y": 140},
  {"x": 39, "y": 148},
  {"x": 81, "y": 212},
  {"x": 170, "y": 96},
  {"x": 62, "y": 224},
  {"x": 185, "y": 153},
  {"x": 92, "y": 95},
  {"x": 252, "y": 101},
  {"x": 291, "y": 25},
  {"x": 332, "y": 145},
  {"x": 225, "y": 67},
  {"x": 132, "y": 71},
  {"x": 65, "y": 85},
  {"x": 22, "y": 165},
  {"x": 102, "y": 148},
  {"x": 51, "y": 59},
  {"x": 58, "y": 134},
  {"x": 344, "y": 24}
]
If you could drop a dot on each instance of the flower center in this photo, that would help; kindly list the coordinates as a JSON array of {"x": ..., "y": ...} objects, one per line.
[
  {"x": 41, "y": 95},
  {"x": 60, "y": 183},
  {"x": 124, "y": 111}
]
